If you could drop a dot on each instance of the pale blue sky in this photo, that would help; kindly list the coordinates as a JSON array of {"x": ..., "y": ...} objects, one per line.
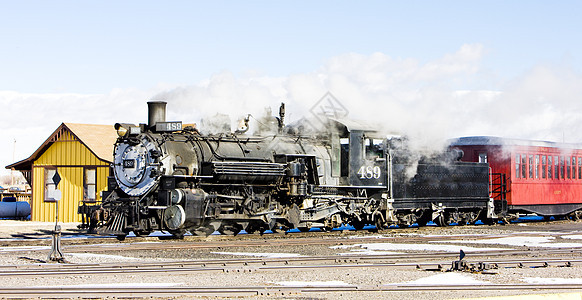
[
  {"x": 430, "y": 69},
  {"x": 95, "y": 46}
]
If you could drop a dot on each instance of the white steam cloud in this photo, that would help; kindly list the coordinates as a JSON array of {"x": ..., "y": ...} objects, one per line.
[{"x": 429, "y": 101}]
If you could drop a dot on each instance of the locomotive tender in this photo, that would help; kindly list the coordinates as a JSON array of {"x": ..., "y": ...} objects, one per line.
[{"x": 175, "y": 179}]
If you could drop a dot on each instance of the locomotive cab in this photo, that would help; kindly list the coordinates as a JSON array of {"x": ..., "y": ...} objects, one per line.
[{"x": 363, "y": 158}]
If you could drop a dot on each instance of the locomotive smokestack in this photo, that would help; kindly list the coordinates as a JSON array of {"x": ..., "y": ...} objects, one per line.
[{"x": 156, "y": 112}]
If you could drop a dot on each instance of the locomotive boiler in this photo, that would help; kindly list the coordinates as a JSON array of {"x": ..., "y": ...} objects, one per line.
[{"x": 167, "y": 176}]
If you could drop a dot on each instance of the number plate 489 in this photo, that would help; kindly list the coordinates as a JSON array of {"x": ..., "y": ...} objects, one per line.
[{"x": 369, "y": 172}]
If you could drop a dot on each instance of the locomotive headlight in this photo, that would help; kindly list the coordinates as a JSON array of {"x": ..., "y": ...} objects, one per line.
[
  {"x": 121, "y": 131},
  {"x": 127, "y": 129}
]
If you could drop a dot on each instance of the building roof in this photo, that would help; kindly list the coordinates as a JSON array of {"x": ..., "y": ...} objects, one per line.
[
  {"x": 99, "y": 139},
  {"x": 500, "y": 141}
]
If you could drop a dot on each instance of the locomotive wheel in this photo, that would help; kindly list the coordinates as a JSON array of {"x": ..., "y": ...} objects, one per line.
[
  {"x": 121, "y": 237},
  {"x": 303, "y": 229},
  {"x": 380, "y": 225},
  {"x": 489, "y": 221},
  {"x": 178, "y": 234},
  {"x": 471, "y": 217},
  {"x": 202, "y": 231},
  {"x": 358, "y": 225},
  {"x": 576, "y": 216},
  {"x": 441, "y": 220},
  {"x": 230, "y": 229},
  {"x": 140, "y": 233},
  {"x": 423, "y": 219},
  {"x": 253, "y": 227},
  {"x": 326, "y": 228}
]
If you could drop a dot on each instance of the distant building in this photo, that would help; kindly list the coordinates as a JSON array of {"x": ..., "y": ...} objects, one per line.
[{"x": 81, "y": 154}]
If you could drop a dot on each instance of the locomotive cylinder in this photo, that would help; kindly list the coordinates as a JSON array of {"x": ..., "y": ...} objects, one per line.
[{"x": 295, "y": 169}]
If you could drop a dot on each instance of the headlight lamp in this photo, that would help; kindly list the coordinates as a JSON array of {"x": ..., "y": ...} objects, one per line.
[{"x": 124, "y": 130}]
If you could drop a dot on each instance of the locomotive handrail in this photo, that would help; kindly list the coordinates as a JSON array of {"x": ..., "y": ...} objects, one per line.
[
  {"x": 194, "y": 176},
  {"x": 354, "y": 187}
]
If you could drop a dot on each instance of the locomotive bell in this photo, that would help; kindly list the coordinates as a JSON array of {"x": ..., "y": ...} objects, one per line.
[{"x": 156, "y": 112}]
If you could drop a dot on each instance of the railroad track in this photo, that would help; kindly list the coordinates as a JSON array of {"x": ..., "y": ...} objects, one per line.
[
  {"x": 256, "y": 241},
  {"x": 427, "y": 261},
  {"x": 265, "y": 291},
  {"x": 327, "y": 264}
]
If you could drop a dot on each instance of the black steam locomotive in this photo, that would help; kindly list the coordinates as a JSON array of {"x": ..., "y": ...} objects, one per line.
[{"x": 170, "y": 177}]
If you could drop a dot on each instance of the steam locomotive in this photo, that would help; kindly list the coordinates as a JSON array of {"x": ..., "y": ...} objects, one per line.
[{"x": 170, "y": 177}]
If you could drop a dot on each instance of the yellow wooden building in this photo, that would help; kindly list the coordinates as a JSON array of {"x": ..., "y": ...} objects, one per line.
[{"x": 81, "y": 154}]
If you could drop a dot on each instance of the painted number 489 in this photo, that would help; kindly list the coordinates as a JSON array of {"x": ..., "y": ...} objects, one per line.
[{"x": 369, "y": 172}]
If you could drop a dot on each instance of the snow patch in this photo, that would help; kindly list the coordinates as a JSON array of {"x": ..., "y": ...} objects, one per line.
[
  {"x": 572, "y": 237},
  {"x": 312, "y": 283},
  {"x": 526, "y": 241},
  {"x": 121, "y": 285},
  {"x": 104, "y": 256},
  {"x": 268, "y": 255},
  {"x": 447, "y": 279},
  {"x": 24, "y": 248},
  {"x": 412, "y": 247},
  {"x": 368, "y": 237},
  {"x": 539, "y": 280},
  {"x": 367, "y": 252}
]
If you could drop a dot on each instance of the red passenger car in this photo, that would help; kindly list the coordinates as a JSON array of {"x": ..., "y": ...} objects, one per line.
[{"x": 541, "y": 177}]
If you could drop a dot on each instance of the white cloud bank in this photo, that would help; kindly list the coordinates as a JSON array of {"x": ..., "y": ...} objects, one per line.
[{"x": 431, "y": 101}]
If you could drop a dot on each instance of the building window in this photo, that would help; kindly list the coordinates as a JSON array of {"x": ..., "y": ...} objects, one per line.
[
  {"x": 556, "y": 168},
  {"x": 49, "y": 185},
  {"x": 90, "y": 183},
  {"x": 544, "y": 167}
]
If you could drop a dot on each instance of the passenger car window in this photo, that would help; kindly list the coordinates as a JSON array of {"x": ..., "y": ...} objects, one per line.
[
  {"x": 556, "y": 168},
  {"x": 523, "y": 162},
  {"x": 537, "y": 166},
  {"x": 550, "y": 167},
  {"x": 544, "y": 167},
  {"x": 517, "y": 162},
  {"x": 562, "y": 173},
  {"x": 531, "y": 170},
  {"x": 573, "y": 167}
]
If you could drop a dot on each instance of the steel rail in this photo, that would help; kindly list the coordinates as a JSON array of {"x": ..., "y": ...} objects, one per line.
[
  {"x": 278, "y": 240},
  {"x": 187, "y": 267},
  {"x": 335, "y": 258},
  {"x": 72, "y": 291}
]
